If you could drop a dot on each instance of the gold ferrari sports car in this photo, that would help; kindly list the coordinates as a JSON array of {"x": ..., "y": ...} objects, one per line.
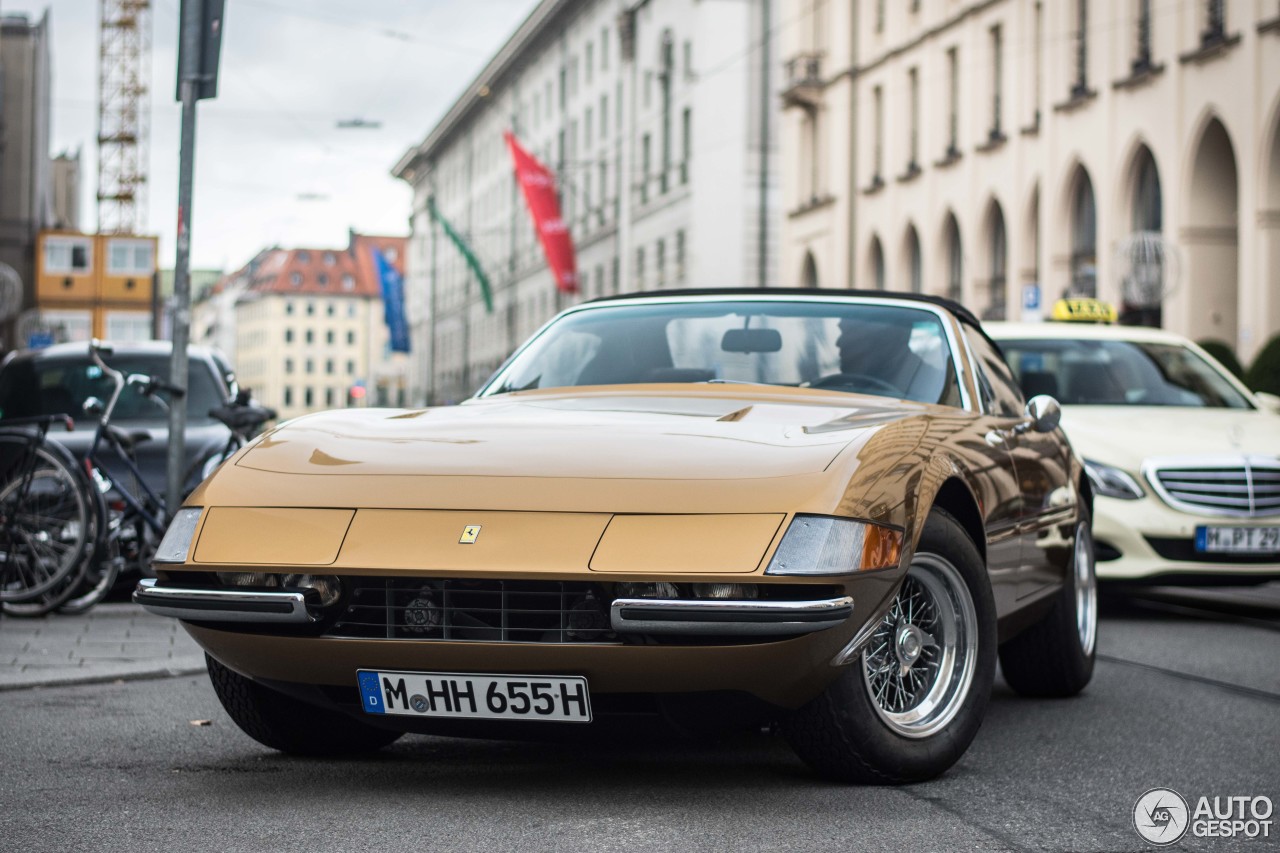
[{"x": 829, "y": 511}]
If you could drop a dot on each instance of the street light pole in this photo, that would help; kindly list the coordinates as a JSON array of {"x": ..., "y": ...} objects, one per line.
[
  {"x": 199, "y": 43},
  {"x": 188, "y": 81}
]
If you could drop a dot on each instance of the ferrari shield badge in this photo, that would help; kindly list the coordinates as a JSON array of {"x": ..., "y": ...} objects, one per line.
[{"x": 469, "y": 534}]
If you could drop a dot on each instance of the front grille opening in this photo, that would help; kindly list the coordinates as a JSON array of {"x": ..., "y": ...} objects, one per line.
[
  {"x": 1249, "y": 489},
  {"x": 481, "y": 610}
]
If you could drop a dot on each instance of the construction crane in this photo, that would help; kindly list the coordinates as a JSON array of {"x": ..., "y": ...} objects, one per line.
[{"x": 124, "y": 114}]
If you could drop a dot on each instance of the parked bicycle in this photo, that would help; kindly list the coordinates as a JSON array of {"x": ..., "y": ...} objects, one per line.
[
  {"x": 50, "y": 517},
  {"x": 128, "y": 515}
]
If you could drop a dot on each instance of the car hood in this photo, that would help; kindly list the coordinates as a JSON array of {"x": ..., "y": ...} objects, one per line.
[
  {"x": 719, "y": 432},
  {"x": 1126, "y": 435}
]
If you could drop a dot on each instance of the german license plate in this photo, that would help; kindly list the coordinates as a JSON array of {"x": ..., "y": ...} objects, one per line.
[
  {"x": 1238, "y": 540},
  {"x": 562, "y": 699}
]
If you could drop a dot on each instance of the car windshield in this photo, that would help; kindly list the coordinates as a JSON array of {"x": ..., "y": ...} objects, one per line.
[
  {"x": 52, "y": 386},
  {"x": 1119, "y": 373},
  {"x": 885, "y": 350}
]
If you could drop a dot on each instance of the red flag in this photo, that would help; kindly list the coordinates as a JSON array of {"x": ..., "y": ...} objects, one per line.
[{"x": 539, "y": 186}]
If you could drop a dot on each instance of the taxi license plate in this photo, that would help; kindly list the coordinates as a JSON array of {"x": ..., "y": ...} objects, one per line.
[
  {"x": 1238, "y": 540},
  {"x": 561, "y": 699}
]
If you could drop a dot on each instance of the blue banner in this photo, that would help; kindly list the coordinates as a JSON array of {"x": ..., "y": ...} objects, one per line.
[{"x": 393, "y": 302}]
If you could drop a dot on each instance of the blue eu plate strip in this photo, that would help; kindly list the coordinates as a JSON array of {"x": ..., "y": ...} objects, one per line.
[
  {"x": 1202, "y": 538},
  {"x": 371, "y": 693}
]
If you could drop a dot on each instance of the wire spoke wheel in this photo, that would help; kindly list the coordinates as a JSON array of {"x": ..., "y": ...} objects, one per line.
[{"x": 918, "y": 665}]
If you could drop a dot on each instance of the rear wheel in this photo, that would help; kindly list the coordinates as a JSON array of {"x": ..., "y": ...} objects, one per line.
[
  {"x": 910, "y": 706},
  {"x": 284, "y": 723},
  {"x": 1055, "y": 656}
]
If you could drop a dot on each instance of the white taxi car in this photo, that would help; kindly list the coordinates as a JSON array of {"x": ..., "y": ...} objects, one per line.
[{"x": 1184, "y": 460}]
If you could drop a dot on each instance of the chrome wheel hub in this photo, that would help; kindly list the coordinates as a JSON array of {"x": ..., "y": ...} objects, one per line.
[
  {"x": 918, "y": 665},
  {"x": 911, "y": 642}
]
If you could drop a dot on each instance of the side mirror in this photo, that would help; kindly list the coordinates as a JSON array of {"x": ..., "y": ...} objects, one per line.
[
  {"x": 1044, "y": 413},
  {"x": 1271, "y": 401},
  {"x": 93, "y": 407}
]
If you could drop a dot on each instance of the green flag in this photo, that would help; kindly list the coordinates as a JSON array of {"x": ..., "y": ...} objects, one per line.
[{"x": 472, "y": 261}]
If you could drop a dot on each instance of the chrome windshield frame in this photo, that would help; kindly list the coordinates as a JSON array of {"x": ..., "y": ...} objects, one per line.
[{"x": 960, "y": 354}]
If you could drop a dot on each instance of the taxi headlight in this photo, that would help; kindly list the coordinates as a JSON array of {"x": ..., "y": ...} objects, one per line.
[
  {"x": 177, "y": 539},
  {"x": 1112, "y": 482},
  {"x": 824, "y": 545}
]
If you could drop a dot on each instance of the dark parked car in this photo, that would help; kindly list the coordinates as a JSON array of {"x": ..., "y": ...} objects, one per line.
[{"x": 60, "y": 378}]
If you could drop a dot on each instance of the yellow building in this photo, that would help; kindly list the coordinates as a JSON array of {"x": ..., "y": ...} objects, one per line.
[{"x": 95, "y": 286}]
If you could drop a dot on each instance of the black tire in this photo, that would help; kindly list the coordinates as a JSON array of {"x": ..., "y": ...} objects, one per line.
[
  {"x": 47, "y": 520},
  {"x": 846, "y": 735},
  {"x": 1055, "y": 656},
  {"x": 288, "y": 725}
]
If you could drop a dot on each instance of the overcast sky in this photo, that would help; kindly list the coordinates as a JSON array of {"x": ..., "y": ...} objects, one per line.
[{"x": 271, "y": 167}]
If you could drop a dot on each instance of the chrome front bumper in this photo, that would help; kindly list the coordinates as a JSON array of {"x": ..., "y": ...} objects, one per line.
[
  {"x": 222, "y": 605},
  {"x": 626, "y": 615},
  {"x": 725, "y": 617}
]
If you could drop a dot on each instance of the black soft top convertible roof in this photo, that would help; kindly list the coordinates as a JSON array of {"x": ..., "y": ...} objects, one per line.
[{"x": 961, "y": 313}]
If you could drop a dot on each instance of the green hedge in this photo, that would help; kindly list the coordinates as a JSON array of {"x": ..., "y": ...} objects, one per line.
[
  {"x": 1264, "y": 373},
  {"x": 1222, "y": 351}
]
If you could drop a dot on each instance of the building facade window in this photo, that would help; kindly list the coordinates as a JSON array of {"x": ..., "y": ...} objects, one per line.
[
  {"x": 686, "y": 143},
  {"x": 1080, "y": 86},
  {"x": 997, "y": 83},
  {"x": 915, "y": 264},
  {"x": 351, "y": 338},
  {"x": 680, "y": 253},
  {"x": 1084, "y": 239},
  {"x": 67, "y": 254},
  {"x": 877, "y": 106},
  {"x": 288, "y": 336},
  {"x": 1142, "y": 53},
  {"x": 1215, "y": 29},
  {"x": 953, "y": 103},
  {"x": 645, "y": 164},
  {"x": 955, "y": 260},
  {"x": 999, "y": 259},
  {"x": 913, "y": 138}
]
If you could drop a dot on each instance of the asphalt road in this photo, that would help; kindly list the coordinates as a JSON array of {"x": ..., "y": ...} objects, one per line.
[{"x": 1186, "y": 695}]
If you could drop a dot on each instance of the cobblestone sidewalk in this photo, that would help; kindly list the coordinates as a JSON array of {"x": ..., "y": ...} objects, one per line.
[{"x": 112, "y": 641}]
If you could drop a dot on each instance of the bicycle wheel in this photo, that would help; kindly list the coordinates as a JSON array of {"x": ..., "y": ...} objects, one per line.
[{"x": 47, "y": 518}]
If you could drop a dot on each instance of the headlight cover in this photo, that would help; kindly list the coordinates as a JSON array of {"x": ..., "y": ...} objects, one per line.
[
  {"x": 1112, "y": 482},
  {"x": 825, "y": 545},
  {"x": 177, "y": 539}
]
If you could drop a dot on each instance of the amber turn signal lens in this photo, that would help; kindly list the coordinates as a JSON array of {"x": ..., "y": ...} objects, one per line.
[{"x": 881, "y": 548}]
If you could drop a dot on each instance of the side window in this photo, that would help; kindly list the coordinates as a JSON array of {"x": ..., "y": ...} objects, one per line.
[{"x": 1000, "y": 392}]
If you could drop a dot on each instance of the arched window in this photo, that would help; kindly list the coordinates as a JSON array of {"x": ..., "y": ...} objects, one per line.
[
  {"x": 809, "y": 275},
  {"x": 997, "y": 263},
  {"x": 1148, "y": 207},
  {"x": 955, "y": 260},
  {"x": 877, "y": 264},
  {"x": 914, "y": 264},
  {"x": 1084, "y": 238}
]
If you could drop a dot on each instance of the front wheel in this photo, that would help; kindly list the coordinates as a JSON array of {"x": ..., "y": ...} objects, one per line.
[
  {"x": 911, "y": 705},
  {"x": 284, "y": 723}
]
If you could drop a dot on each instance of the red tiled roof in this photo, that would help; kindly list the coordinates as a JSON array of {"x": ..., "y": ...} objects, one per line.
[{"x": 333, "y": 272}]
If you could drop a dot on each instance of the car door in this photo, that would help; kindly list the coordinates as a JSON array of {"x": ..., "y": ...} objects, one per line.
[{"x": 1045, "y": 507}]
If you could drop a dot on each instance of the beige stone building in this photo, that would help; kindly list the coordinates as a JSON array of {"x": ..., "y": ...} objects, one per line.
[
  {"x": 978, "y": 148},
  {"x": 310, "y": 329}
]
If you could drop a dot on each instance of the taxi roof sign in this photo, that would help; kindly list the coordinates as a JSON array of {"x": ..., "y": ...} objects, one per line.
[{"x": 1083, "y": 311}]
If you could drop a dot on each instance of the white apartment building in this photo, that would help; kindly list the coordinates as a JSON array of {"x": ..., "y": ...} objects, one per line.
[
  {"x": 310, "y": 329},
  {"x": 659, "y": 119},
  {"x": 972, "y": 148}
]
